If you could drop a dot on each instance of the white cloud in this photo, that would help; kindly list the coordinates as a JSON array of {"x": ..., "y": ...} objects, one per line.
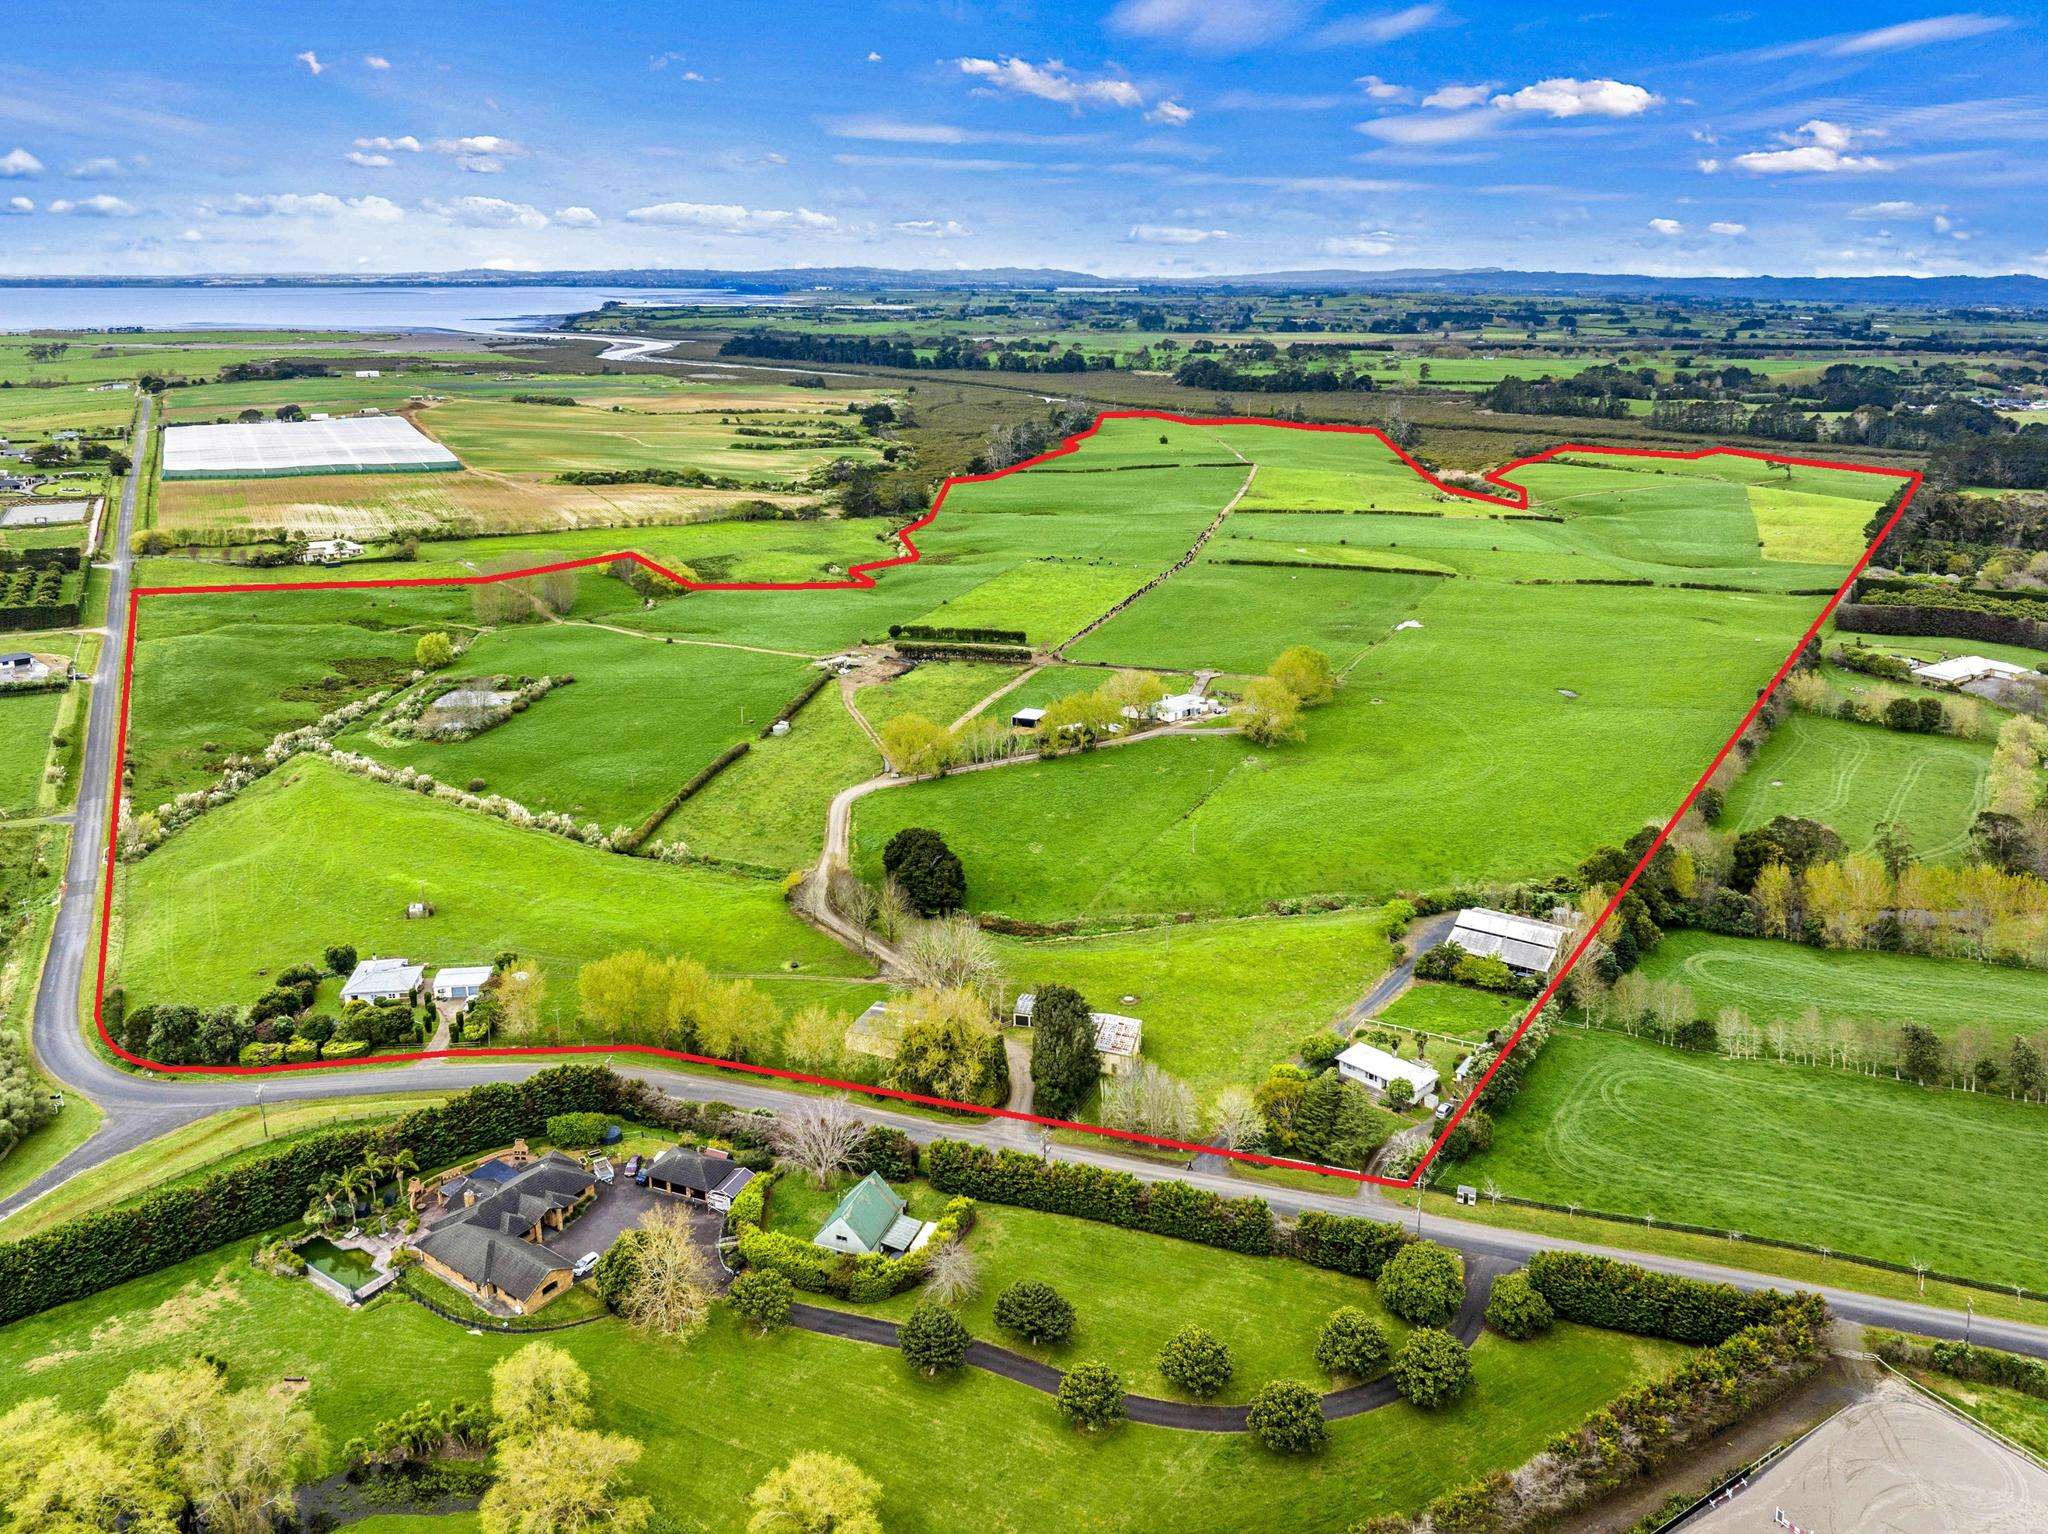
[
  {"x": 17, "y": 205},
  {"x": 191, "y": 236},
  {"x": 893, "y": 130},
  {"x": 1173, "y": 234},
  {"x": 1378, "y": 243},
  {"x": 102, "y": 206},
  {"x": 376, "y": 210},
  {"x": 1727, "y": 230},
  {"x": 1052, "y": 81},
  {"x": 1172, "y": 113},
  {"x": 98, "y": 168},
  {"x": 577, "y": 217},
  {"x": 1456, "y": 98},
  {"x": 1380, "y": 27},
  {"x": 934, "y": 228},
  {"x": 1892, "y": 208},
  {"x": 1667, "y": 226},
  {"x": 376, "y": 61},
  {"x": 1208, "y": 27},
  {"x": 312, "y": 62},
  {"x": 480, "y": 143},
  {"x": 731, "y": 218},
  {"x": 404, "y": 141},
  {"x": 1429, "y": 127},
  {"x": 1382, "y": 90},
  {"x": 488, "y": 213},
  {"x": 874, "y": 57},
  {"x": 1815, "y": 147},
  {"x": 1917, "y": 34},
  {"x": 1567, "y": 97},
  {"x": 19, "y": 162},
  {"x": 368, "y": 161}
]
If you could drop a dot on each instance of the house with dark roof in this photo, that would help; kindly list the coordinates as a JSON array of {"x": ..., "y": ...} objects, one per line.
[
  {"x": 494, "y": 1245},
  {"x": 872, "y": 1218},
  {"x": 712, "y": 1180}
]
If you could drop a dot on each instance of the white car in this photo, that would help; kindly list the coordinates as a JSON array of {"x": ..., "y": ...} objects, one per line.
[{"x": 584, "y": 1265}]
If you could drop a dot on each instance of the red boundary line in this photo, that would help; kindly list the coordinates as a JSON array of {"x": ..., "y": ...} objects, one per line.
[{"x": 858, "y": 578}]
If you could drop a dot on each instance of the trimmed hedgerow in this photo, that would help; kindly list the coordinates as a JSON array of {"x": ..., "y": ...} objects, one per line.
[
  {"x": 1619, "y": 1296},
  {"x": 1344, "y": 1243}
]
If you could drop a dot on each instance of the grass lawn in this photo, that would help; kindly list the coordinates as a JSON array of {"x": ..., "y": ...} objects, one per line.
[
  {"x": 1807, "y": 1154},
  {"x": 1856, "y": 776},
  {"x": 1267, "y": 1310},
  {"x": 2019, "y": 1416},
  {"x": 717, "y": 1414},
  {"x": 1770, "y": 979},
  {"x": 311, "y": 856},
  {"x": 1458, "y": 1010},
  {"x": 769, "y": 807},
  {"x": 26, "y": 722},
  {"x": 639, "y": 721},
  {"x": 941, "y": 690},
  {"x": 1220, "y": 1000}
]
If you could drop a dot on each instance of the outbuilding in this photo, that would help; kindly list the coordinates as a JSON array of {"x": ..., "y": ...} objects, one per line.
[
  {"x": 1375, "y": 1068},
  {"x": 1524, "y": 944},
  {"x": 1964, "y": 669},
  {"x": 460, "y": 984},
  {"x": 712, "y": 1180},
  {"x": 1117, "y": 1038},
  {"x": 1179, "y": 707},
  {"x": 1026, "y": 718},
  {"x": 872, "y": 1218}
]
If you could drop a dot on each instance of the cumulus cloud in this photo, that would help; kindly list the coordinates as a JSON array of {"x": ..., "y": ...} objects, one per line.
[
  {"x": 376, "y": 61},
  {"x": 402, "y": 142},
  {"x": 1173, "y": 234},
  {"x": 1918, "y": 34},
  {"x": 1382, "y": 90},
  {"x": 1379, "y": 27},
  {"x": 1172, "y": 113},
  {"x": 312, "y": 62},
  {"x": 731, "y": 218},
  {"x": 98, "y": 168},
  {"x": 1816, "y": 147},
  {"x": 1727, "y": 230},
  {"x": 1456, "y": 98},
  {"x": 934, "y": 228},
  {"x": 378, "y": 210},
  {"x": 487, "y": 213},
  {"x": 102, "y": 206},
  {"x": 19, "y": 162},
  {"x": 368, "y": 161},
  {"x": 874, "y": 57},
  {"x": 577, "y": 217},
  {"x": 17, "y": 205},
  {"x": 1667, "y": 226},
  {"x": 1567, "y": 97},
  {"x": 1051, "y": 81}
]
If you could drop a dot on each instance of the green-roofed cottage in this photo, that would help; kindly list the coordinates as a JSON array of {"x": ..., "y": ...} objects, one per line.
[{"x": 872, "y": 1218}]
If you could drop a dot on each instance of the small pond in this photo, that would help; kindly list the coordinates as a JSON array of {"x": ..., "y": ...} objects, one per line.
[{"x": 351, "y": 1269}]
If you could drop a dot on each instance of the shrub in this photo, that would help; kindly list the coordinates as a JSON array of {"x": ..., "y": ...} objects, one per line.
[
  {"x": 572, "y": 1131},
  {"x": 341, "y": 958},
  {"x": 929, "y": 871},
  {"x": 1091, "y": 1396},
  {"x": 1195, "y": 1362},
  {"x": 1035, "y": 1311},
  {"x": 1432, "y": 1367},
  {"x": 1287, "y": 1417},
  {"x": 1424, "y": 1284},
  {"x": 933, "y": 1340},
  {"x": 763, "y": 1298},
  {"x": 1352, "y": 1344},
  {"x": 1345, "y": 1243},
  {"x": 1516, "y": 1310},
  {"x": 890, "y": 1152}
]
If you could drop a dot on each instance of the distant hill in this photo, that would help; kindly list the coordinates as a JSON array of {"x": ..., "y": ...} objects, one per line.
[{"x": 2012, "y": 291}]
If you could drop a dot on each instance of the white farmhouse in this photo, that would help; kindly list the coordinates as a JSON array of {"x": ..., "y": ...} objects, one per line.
[
  {"x": 1179, "y": 707},
  {"x": 1378, "y": 1070},
  {"x": 328, "y": 551},
  {"x": 1525, "y": 945},
  {"x": 1968, "y": 668},
  {"x": 375, "y": 980}
]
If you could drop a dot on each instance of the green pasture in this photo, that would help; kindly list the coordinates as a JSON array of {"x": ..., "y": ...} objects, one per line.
[
  {"x": 311, "y": 856},
  {"x": 63, "y": 407},
  {"x": 1222, "y": 1000},
  {"x": 1437, "y": 1007},
  {"x": 1856, "y": 777},
  {"x": 697, "y": 1407},
  {"x": 1859, "y": 1165},
  {"x": 27, "y": 721},
  {"x": 1778, "y": 980}
]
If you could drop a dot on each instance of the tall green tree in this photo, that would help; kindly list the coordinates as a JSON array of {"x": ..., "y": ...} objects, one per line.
[
  {"x": 928, "y": 871},
  {"x": 1064, "y": 1061}
]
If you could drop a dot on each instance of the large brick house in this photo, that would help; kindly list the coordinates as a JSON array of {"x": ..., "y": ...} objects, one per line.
[{"x": 495, "y": 1245}]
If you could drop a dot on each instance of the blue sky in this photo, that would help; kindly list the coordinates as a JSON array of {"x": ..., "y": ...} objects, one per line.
[{"x": 1142, "y": 137}]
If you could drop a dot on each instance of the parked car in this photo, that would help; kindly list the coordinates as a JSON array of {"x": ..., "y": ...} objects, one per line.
[
  {"x": 585, "y": 1265},
  {"x": 633, "y": 1166}
]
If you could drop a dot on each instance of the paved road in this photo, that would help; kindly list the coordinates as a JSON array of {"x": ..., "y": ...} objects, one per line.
[{"x": 140, "y": 1107}]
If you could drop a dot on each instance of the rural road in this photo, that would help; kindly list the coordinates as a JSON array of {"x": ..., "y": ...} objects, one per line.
[{"x": 140, "y": 1107}]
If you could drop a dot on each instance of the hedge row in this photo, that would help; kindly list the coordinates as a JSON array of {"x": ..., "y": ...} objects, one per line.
[
  {"x": 674, "y": 801},
  {"x": 1345, "y": 1243},
  {"x": 41, "y": 559},
  {"x": 1621, "y": 1297},
  {"x": 38, "y": 615},
  {"x": 83, "y": 1256},
  {"x": 820, "y": 1270},
  {"x": 1941, "y": 623},
  {"x": 1331, "y": 564},
  {"x": 804, "y": 695},
  {"x": 275, "y": 1052},
  {"x": 958, "y": 635},
  {"x": 1098, "y": 1193},
  {"x": 920, "y": 649},
  {"x": 1963, "y": 1361}
]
